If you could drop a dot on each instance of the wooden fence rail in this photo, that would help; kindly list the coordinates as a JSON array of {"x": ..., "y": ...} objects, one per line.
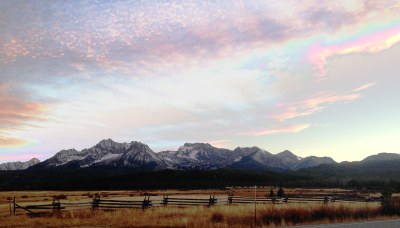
[
  {"x": 242, "y": 200},
  {"x": 189, "y": 201},
  {"x": 98, "y": 203},
  {"x": 55, "y": 206}
]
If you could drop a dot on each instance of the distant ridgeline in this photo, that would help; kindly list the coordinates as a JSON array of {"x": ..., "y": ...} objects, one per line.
[
  {"x": 203, "y": 156},
  {"x": 112, "y": 165},
  {"x": 19, "y": 165}
]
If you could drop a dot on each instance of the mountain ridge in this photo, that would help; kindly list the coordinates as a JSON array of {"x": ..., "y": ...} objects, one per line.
[
  {"x": 203, "y": 156},
  {"x": 18, "y": 165},
  {"x": 382, "y": 157}
]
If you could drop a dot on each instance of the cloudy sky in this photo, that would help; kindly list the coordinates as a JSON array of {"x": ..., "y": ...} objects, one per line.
[{"x": 315, "y": 77}]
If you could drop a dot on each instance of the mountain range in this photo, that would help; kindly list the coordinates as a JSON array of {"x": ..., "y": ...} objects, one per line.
[
  {"x": 191, "y": 156},
  {"x": 112, "y": 165},
  {"x": 202, "y": 156},
  {"x": 19, "y": 165}
]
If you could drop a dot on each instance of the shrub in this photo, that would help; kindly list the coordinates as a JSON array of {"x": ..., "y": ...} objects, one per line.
[
  {"x": 281, "y": 192},
  {"x": 306, "y": 215},
  {"x": 271, "y": 193},
  {"x": 390, "y": 207},
  {"x": 59, "y": 197},
  {"x": 217, "y": 217}
]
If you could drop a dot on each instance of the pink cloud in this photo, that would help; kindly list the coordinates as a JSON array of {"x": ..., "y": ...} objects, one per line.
[
  {"x": 219, "y": 142},
  {"x": 312, "y": 105},
  {"x": 6, "y": 142},
  {"x": 277, "y": 130},
  {"x": 6, "y": 158},
  {"x": 372, "y": 43},
  {"x": 14, "y": 48},
  {"x": 16, "y": 113},
  {"x": 364, "y": 87},
  {"x": 17, "y": 110}
]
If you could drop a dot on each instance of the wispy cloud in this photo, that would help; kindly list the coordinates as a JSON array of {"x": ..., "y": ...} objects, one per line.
[
  {"x": 364, "y": 87},
  {"x": 277, "y": 130},
  {"x": 16, "y": 113},
  {"x": 173, "y": 71},
  {"x": 312, "y": 105},
  {"x": 17, "y": 109},
  {"x": 318, "y": 103},
  {"x": 219, "y": 142},
  {"x": 10, "y": 142},
  {"x": 370, "y": 43}
]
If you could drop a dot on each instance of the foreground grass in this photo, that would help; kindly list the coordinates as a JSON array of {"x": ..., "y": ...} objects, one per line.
[{"x": 218, "y": 216}]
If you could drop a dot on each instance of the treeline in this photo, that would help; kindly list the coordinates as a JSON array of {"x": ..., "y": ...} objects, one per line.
[
  {"x": 114, "y": 179},
  {"x": 357, "y": 175}
]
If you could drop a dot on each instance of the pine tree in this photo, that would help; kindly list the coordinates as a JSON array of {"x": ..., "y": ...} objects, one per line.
[
  {"x": 271, "y": 193},
  {"x": 281, "y": 192}
]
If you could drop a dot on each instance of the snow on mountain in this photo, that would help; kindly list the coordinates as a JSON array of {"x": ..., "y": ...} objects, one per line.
[
  {"x": 312, "y": 161},
  {"x": 19, "y": 165},
  {"x": 288, "y": 158},
  {"x": 189, "y": 156},
  {"x": 107, "y": 153},
  {"x": 197, "y": 156},
  {"x": 258, "y": 159},
  {"x": 254, "y": 158}
]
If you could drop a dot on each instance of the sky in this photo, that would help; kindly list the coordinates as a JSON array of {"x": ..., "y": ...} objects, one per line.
[{"x": 314, "y": 77}]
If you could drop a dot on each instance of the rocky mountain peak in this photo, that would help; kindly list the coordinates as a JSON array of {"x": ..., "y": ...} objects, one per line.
[
  {"x": 195, "y": 145},
  {"x": 19, "y": 165},
  {"x": 34, "y": 160},
  {"x": 106, "y": 144},
  {"x": 189, "y": 156},
  {"x": 288, "y": 154}
]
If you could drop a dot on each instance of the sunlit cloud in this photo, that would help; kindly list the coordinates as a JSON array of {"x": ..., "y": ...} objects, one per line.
[
  {"x": 371, "y": 43},
  {"x": 278, "y": 130},
  {"x": 10, "y": 142},
  {"x": 219, "y": 142},
  {"x": 364, "y": 87},
  {"x": 312, "y": 105},
  {"x": 167, "y": 72},
  {"x": 17, "y": 113},
  {"x": 17, "y": 110}
]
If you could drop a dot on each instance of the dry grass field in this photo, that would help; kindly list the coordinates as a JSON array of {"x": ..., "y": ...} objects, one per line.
[{"x": 194, "y": 216}]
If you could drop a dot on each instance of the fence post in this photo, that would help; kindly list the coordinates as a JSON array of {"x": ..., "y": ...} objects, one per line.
[
  {"x": 146, "y": 203},
  {"x": 14, "y": 208},
  {"x": 230, "y": 198},
  {"x": 165, "y": 200},
  {"x": 96, "y": 202},
  {"x": 255, "y": 205},
  {"x": 213, "y": 200},
  {"x": 57, "y": 205}
]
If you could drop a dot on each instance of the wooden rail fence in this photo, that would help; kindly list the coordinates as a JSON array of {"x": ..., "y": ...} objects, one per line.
[
  {"x": 98, "y": 203},
  {"x": 189, "y": 201},
  {"x": 55, "y": 206}
]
